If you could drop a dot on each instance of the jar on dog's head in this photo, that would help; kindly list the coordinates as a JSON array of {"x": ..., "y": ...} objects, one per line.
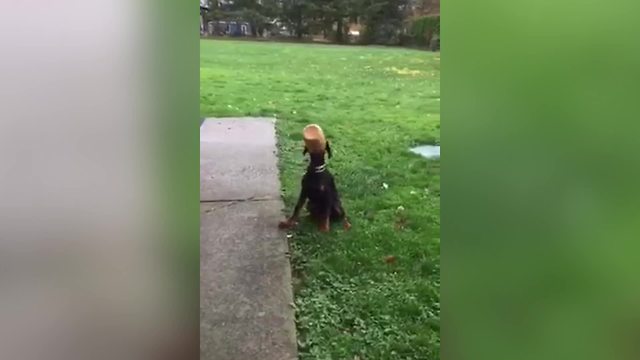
[{"x": 314, "y": 139}]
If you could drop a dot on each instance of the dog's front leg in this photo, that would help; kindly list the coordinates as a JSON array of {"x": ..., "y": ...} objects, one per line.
[
  {"x": 345, "y": 221},
  {"x": 293, "y": 220},
  {"x": 324, "y": 224}
]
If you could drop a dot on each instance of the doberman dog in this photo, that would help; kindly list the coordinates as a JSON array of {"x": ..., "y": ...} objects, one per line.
[{"x": 319, "y": 188}]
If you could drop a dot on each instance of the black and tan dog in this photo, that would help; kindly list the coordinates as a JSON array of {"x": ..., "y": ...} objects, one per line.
[{"x": 318, "y": 185}]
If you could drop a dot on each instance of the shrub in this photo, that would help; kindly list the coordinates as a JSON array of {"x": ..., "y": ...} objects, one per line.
[{"x": 421, "y": 30}]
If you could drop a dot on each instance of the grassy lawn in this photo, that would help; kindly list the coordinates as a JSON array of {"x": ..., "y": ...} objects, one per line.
[{"x": 373, "y": 103}]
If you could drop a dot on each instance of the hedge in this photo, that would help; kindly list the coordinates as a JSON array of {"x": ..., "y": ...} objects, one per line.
[{"x": 421, "y": 30}]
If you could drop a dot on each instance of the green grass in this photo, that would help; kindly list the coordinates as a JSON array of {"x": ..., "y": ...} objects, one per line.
[{"x": 373, "y": 103}]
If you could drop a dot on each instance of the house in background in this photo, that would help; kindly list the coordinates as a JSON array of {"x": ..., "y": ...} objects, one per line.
[
  {"x": 355, "y": 28},
  {"x": 229, "y": 28}
]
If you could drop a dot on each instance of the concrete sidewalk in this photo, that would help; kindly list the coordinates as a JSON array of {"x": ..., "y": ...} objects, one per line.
[{"x": 245, "y": 276}]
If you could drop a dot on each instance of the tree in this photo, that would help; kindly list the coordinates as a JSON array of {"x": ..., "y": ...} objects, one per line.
[
  {"x": 383, "y": 20},
  {"x": 296, "y": 14},
  {"x": 338, "y": 13}
]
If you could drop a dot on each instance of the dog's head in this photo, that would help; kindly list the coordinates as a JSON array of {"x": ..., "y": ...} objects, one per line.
[
  {"x": 315, "y": 143},
  {"x": 327, "y": 150}
]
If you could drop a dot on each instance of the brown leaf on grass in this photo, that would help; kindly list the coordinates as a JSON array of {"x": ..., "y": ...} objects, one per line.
[
  {"x": 404, "y": 71},
  {"x": 400, "y": 224},
  {"x": 390, "y": 259}
]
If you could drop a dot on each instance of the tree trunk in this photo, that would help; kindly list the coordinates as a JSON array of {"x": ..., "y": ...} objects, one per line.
[
  {"x": 299, "y": 28},
  {"x": 202, "y": 22},
  {"x": 340, "y": 31},
  {"x": 299, "y": 24}
]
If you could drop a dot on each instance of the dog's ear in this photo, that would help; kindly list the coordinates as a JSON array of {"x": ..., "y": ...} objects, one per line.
[
  {"x": 328, "y": 149},
  {"x": 305, "y": 151}
]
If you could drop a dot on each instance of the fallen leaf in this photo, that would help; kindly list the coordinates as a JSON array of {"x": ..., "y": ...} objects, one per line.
[
  {"x": 404, "y": 71},
  {"x": 390, "y": 259},
  {"x": 400, "y": 224}
]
